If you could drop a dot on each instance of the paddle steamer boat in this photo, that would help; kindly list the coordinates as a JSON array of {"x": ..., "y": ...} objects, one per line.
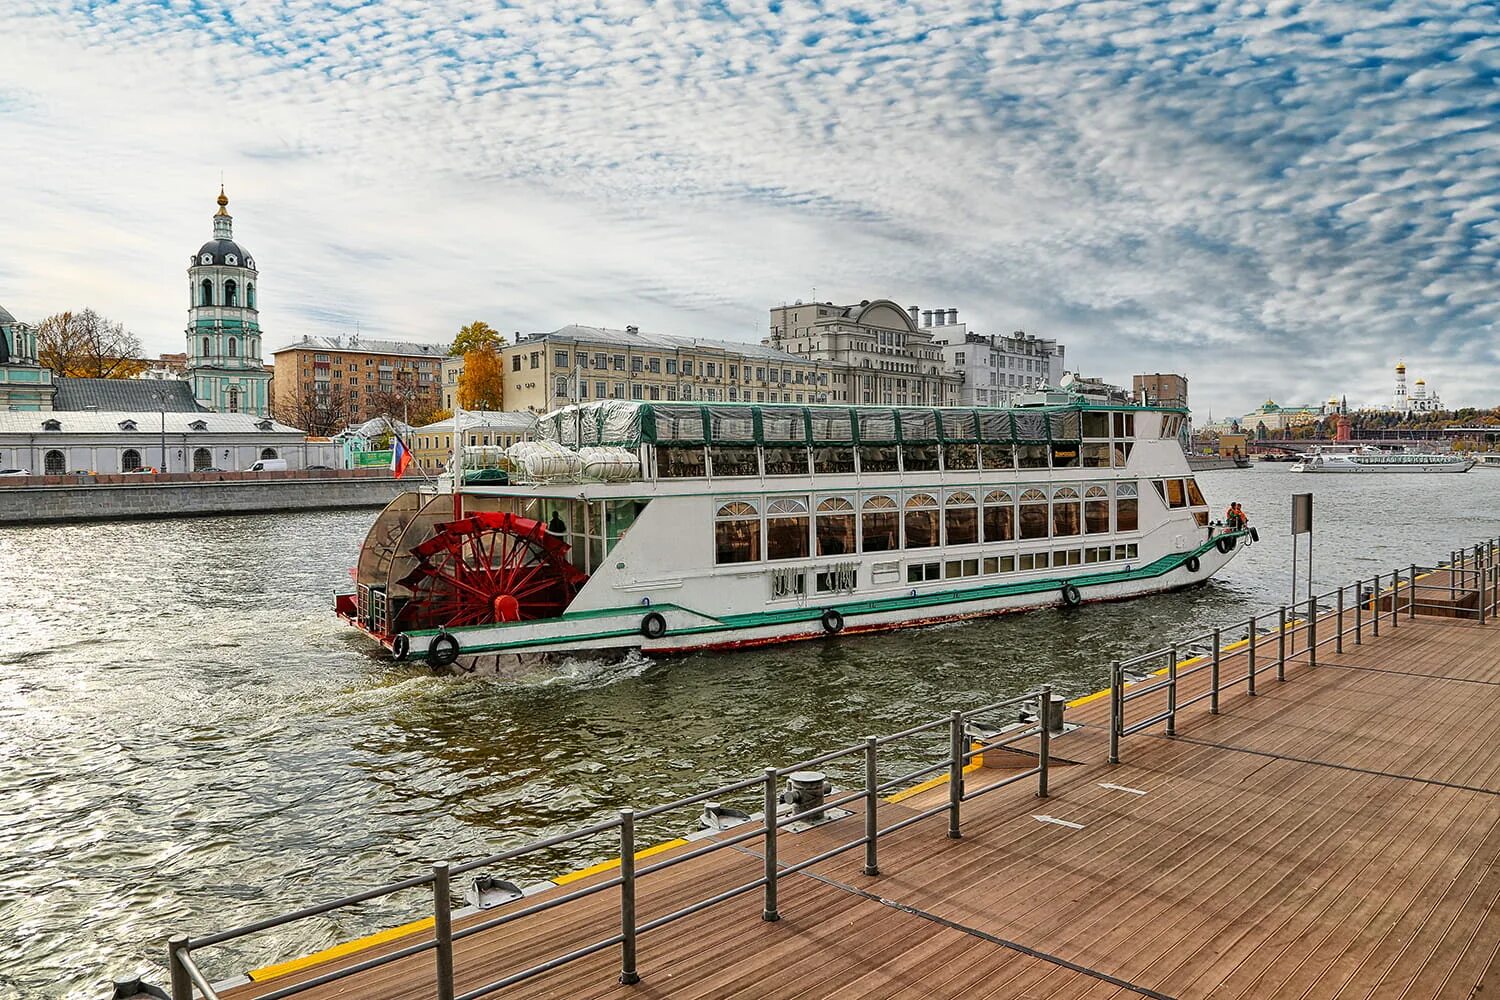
[{"x": 666, "y": 527}]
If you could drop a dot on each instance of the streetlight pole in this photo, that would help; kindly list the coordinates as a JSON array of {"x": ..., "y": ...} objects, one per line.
[{"x": 161, "y": 401}]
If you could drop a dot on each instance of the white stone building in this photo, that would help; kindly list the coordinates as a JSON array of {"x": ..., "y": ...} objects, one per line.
[
  {"x": 101, "y": 441},
  {"x": 994, "y": 367},
  {"x": 876, "y": 351}
]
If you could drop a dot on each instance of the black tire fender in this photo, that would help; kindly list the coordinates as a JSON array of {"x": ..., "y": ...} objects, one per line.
[
  {"x": 401, "y": 646},
  {"x": 833, "y": 622},
  {"x": 1192, "y": 564},
  {"x": 653, "y": 626},
  {"x": 1071, "y": 595},
  {"x": 1254, "y": 535},
  {"x": 442, "y": 651},
  {"x": 1226, "y": 543}
]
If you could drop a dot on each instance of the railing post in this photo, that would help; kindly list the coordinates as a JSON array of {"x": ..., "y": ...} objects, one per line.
[
  {"x": 1116, "y": 709},
  {"x": 1359, "y": 612},
  {"x": 1338, "y": 638},
  {"x": 1375, "y": 606},
  {"x": 1044, "y": 750},
  {"x": 872, "y": 803},
  {"x": 1395, "y": 598},
  {"x": 1254, "y": 641},
  {"x": 1411, "y": 599},
  {"x": 1172, "y": 693},
  {"x": 628, "y": 974},
  {"x": 1281, "y": 644},
  {"x": 442, "y": 928},
  {"x": 1312, "y": 632},
  {"x": 182, "y": 986},
  {"x": 768, "y": 911},
  {"x": 1452, "y": 576},
  {"x": 956, "y": 769},
  {"x": 1213, "y": 679},
  {"x": 1479, "y": 575}
]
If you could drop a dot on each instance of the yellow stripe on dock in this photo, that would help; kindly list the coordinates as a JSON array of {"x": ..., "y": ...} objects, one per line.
[
  {"x": 605, "y": 866},
  {"x": 339, "y": 950}
]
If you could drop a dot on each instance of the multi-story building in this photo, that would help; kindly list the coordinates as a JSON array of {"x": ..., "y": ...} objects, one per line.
[
  {"x": 1158, "y": 389},
  {"x": 358, "y": 378},
  {"x": 452, "y": 368},
  {"x": 579, "y": 363},
  {"x": 875, "y": 352},
  {"x": 432, "y": 445},
  {"x": 994, "y": 367}
]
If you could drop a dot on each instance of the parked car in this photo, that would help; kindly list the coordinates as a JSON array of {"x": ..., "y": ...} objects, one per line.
[
  {"x": 316, "y": 467},
  {"x": 269, "y": 465},
  {"x": 14, "y": 472}
]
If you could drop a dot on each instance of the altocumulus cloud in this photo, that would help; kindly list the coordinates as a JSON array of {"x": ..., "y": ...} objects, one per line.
[{"x": 1275, "y": 197}]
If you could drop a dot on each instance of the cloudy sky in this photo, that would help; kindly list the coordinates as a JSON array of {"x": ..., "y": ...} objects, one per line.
[{"x": 1279, "y": 198}]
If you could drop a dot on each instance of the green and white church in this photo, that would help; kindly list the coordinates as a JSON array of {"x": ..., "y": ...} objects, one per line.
[{"x": 223, "y": 331}]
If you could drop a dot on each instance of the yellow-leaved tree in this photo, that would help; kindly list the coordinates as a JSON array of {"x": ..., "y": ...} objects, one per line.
[{"x": 481, "y": 385}]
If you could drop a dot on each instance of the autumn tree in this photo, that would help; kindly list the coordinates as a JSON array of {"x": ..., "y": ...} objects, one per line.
[
  {"x": 87, "y": 345},
  {"x": 476, "y": 336},
  {"x": 481, "y": 385}
]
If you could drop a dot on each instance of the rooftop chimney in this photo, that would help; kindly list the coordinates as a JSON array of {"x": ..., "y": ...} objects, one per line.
[
  {"x": 939, "y": 317},
  {"x": 926, "y": 317},
  {"x": 952, "y": 317},
  {"x": 913, "y": 311}
]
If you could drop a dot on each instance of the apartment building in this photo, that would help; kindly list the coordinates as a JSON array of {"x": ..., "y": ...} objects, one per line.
[
  {"x": 876, "y": 351},
  {"x": 364, "y": 378},
  {"x": 993, "y": 367},
  {"x": 580, "y": 363}
]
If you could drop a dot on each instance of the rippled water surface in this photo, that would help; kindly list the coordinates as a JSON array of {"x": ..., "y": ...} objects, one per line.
[{"x": 190, "y": 739}]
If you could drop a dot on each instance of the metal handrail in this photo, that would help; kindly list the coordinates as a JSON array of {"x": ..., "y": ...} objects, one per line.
[
  {"x": 1382, "y": 601},
  {"x": 185, "y": 974}
]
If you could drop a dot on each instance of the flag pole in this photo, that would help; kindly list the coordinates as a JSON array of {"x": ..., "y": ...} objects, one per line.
[{"x": 457, "y": 466}]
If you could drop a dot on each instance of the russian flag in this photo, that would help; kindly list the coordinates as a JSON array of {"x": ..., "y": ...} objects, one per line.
[{"x": 400, "y": 457}]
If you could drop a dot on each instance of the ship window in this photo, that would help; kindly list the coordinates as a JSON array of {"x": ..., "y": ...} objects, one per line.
[
  {"x": 1065, "y": 512},
  {"x": 923, "y": 572},
  {"x": 879, "y": 458},
  {"x": 960, "y": 455},
  {"x": 1201, "y": 516},
  {"x": 788, "y": 583},
  {"x": 956, "y": 568},
  {"x": 1031, "y": 456},
  {"x": 881, "y": 527},
  {"x": 737, "y": 533},
  {"x": 961, "y": 519},
  {"x": 1095, "y": 511},
  {"x": 787, "y": 528},
  {"x": 999, "y": 517},
  {"x": 997, "y": 456},
  {"x": 919, "y": 457},
  {"x": 1195, "y": 495},
  {"x": 683, "y": 462},
  {"x": 835, "y": 527},
  {"x": 837, "y": 460},
  {"x": 1095, "y": 455},
  {"x": 1122, "y": 453},
  {"x": 921, "y": 521},
  {"x": 1065, "y": 456},
  {"x": 1096, "y": 425},
  {"x": 1127, "y": 508},
  {"x": 732, "y": 460},
  {"x": 1124, "y": 425},
  {"x": 1033, "y": 514},
  {"x": 787, "y": 461},
  {"x": 1031, "y": 560},
  {"x": 1176, "y": 497}
]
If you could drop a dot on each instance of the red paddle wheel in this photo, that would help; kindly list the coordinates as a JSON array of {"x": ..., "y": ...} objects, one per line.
[{"x": 488, "y": 568}]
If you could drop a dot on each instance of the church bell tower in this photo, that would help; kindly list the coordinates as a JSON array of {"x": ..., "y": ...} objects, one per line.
[{"x": 223, "y": 331}]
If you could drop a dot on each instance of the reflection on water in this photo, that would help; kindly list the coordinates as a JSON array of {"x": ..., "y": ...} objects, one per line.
[{"x": 192, "y": 740}]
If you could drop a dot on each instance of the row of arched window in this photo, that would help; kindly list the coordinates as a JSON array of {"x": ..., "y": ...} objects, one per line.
[
  {"x": 233, "y": 348},
  {"x": 228, "y": 296},
  {"x": 790, "y": 529},
  {"x": 55, "y": 461}
]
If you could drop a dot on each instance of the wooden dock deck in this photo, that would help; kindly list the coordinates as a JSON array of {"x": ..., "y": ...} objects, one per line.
[{"x": 1335, "y": 835}]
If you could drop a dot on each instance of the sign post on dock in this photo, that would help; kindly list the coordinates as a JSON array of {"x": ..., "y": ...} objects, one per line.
[{"x": 1302, "y": 524}]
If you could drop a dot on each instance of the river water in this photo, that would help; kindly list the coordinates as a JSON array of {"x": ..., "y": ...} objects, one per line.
[{"x": 190, "y": 740}]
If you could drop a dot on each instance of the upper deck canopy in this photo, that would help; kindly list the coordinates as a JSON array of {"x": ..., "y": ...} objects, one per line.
[{"x": 630, "y": 423}]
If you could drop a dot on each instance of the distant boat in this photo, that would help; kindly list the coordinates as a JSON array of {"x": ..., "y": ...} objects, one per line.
[
  {"x": 1207, "y": 463},
  {"x": 1364, "y": 458}
]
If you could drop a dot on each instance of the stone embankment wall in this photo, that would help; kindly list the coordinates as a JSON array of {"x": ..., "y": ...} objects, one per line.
[{"x": 98, "y": 498}]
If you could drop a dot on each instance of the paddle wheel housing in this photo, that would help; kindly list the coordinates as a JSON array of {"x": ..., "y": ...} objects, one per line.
[{"x": 488, "y": 568}]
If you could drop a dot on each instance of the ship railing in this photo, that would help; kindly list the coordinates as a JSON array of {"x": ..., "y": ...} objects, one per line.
[
  {"x": 950, "y": 739},
  {"x": 1466, "y": 585}
]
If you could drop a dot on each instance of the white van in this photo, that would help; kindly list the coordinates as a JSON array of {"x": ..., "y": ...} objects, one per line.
[{"x": 269, "y": 465}]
